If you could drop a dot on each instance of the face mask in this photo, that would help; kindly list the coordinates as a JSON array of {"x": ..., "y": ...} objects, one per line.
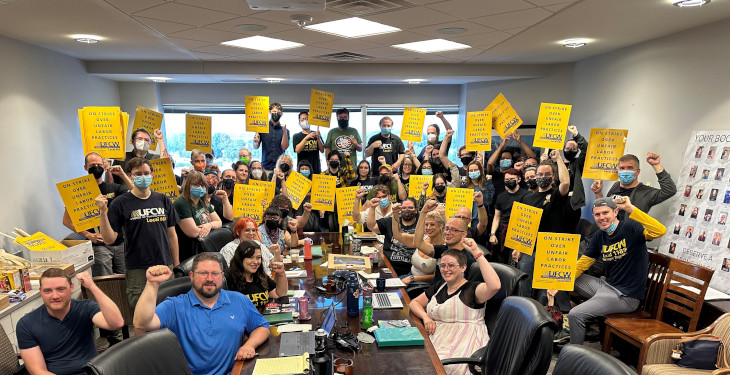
[
  {"x": 211, "y": 189},
  {"x": 275, "y": 117},
  {"x": 141, "y": 146},
  {"x": 510, "y": 184},
  {"x": 199, "y": 167},
  {"x": 474, "y": 175},
  {"x": 626, "y": 177},
  {"x": 531, "y": 184},
  {"x": 228, "y": 183},
  {"x": 284, "y": 213},
  {"x": 505, "y": 163},
  {"x": 439, "y": 188},
  {"x": 272, "y": 224},
  {"x": 611, "y": 228},
  {"x": 306, "y": 172},
  {"x": 436, "y": 161},
  {"x": 304, "y": 124},
  {"x": 432, "y": 138},
  {"x": 334, "y": 164},
  {"x": 197, "y": 191},
  {"x": 97, "y": 171},
  {"x": 426, "y": 172},
  {"x": 384, "y": 202},
  {"x": 466, "y": 160},
  {"x": 343, "y": 123},
  {"x": 142, "y": 182},
  {"x": 284, "y": 167},
  {"x": 384, "y": 179},
  {"x": 544, "y": 182},
  {"x": 385, "y": 131},
  {"x": 570, "y": 155},
  {"x": 245, "y": 160},
  {"x": 408, "y": 215}
]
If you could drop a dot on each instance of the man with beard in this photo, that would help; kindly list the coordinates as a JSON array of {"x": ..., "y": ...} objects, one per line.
[
  {"x": 308, "y": 144},
  {"x": 275, "y": 142},
  {"x": 343, "y": 138},
  {"x": 210, "y": 323},
  {"x": 387, "y": 145},
  {"x": 141, "y": 140}
]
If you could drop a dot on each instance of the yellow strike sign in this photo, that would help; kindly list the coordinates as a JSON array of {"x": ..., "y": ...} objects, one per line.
[
  {"x": 413, "y": 119},
  {"x": 79, "y": 196},
  {"x": 345, "y": 200},
  {"x": 504, "y": 118},
  {"x": 479, "y": 131},
  {"x": 149, "y": 120},
  {"x": 323, "y": 192},
  {"x": 164, "y": 181},
  {"x": 552, "y": 122},
  {"x": 605, "y": 146},
  {"x": 198, "y": 133},
  {"x": 415, "y": 185},
  {"x": 457, "y": 198},
  {"x": 103, "y": 130},
  {"x": 268, "y": 185},
  {"x": 320, "y": 108},
  {"x": 297, "y": 186},
  {"x": 257, "y": 114},
  {"x": 247, "y": 202},
  {"x": 524, "y": 222},
  {"x": 555, "y": 261},
  {"x": 40, "y": 242}
]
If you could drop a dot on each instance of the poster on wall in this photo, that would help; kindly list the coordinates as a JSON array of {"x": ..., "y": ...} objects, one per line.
[{"x": 697, "y": 230}]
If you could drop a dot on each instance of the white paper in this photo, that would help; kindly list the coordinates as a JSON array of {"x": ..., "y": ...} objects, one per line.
[
  {"x": 369, "y": 275},
  {"x": 393, "y": 282},
  {"x": 296, "y": 274},
  {"x": 294, "y": 328}
]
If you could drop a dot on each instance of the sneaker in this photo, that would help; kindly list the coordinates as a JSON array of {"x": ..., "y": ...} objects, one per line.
[{"x": 562, "y": 337}]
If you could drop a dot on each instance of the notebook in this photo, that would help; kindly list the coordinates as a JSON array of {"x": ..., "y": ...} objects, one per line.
[
  {"x": 405, "y": 336},
  {"x": 388, "y": 300},
  {"x": 279, "y": 366},
  {"x": 277, "y": 318}
]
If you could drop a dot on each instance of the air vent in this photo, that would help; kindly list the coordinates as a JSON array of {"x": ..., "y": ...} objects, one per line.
[
  {"x": 366, "y": 7},
  {"x": 344, "y": 57}
]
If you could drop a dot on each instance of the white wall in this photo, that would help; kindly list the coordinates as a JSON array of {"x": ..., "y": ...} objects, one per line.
[
  {"x": 40, "y": 93},
  {"x": 133, "y": 94},
  {"x": 661, "y": 91}
]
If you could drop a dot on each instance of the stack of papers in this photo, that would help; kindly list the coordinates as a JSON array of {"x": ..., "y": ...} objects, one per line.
[{"x": 393, "y": 282}]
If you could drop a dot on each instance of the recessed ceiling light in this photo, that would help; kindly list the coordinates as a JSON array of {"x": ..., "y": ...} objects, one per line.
[
  {"x": 262, "y": 43},
  {"x": 451, "y": 30},
  {"x": 689, "y": 3},
  {"x": 354, "y": 27},
  {"x": 574, "y": 43},
  {"x": 251, "y": 27},
  {"x": 159, "y": 79},
  {"x": 272, "y": 79},
  {"x": 414, "y": 81},
  {"x": 433, "y": 45},
  {"x": 85, "y": 38}
]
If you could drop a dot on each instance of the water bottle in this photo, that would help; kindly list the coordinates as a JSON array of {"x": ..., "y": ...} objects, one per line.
[
  {"x": 346, "y": 243},
  {"x": 367, "y": 307},
  {"x": 353, "y": 289}
]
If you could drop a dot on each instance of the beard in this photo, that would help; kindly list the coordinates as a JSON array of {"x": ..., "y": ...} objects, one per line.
[{"x": 201, "y": 290}]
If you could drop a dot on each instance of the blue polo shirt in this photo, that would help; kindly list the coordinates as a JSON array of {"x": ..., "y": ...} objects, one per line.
[{"x": 210, "y": 337}]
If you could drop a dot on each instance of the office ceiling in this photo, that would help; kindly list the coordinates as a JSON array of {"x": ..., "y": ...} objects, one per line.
[{"x": 154, "y": 32}]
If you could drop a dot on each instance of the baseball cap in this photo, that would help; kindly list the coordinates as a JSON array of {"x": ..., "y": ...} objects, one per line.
[{"x": 604, "y": 202}]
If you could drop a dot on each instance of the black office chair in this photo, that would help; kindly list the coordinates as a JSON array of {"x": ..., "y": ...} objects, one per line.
[
  {"x": 215, "y": 240},
  {"x": 522, "y": 342},
  {"x": 513, "y": 283},
  {"x": 153, "y": 353},
  {"x": 183, "y": 269},
  {"x": 178, "y": 286},
  {"x": 582, "y": 360}
]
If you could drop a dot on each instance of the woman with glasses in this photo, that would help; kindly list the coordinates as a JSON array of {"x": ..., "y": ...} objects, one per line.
[
  {"x": 452, "y": 309},
  {"x": 246, "y": 230},
  {"x": 408, "y": 166},
  {"x": 197, "y": 214},
  {"x": 246, "y": 275},
  {"x": 364, "y": 180}
]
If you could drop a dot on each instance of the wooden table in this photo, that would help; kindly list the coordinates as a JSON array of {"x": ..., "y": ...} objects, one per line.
[{"x": 371, "y": 359}]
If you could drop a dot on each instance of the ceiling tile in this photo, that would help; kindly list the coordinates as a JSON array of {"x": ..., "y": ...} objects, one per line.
[
  {"x": 220, "y": 49},
  {"x": 189, "y": 44},
  {"x": 385, "y": 52},
  {"x": 303, "y": 36},
  {"x": 477, "y": 8},
  {"x": 396, "y": 38},
  {"x": 186, "y": 14},
  {"x": 423, "y": 58},
  {"x": 131, "y": 6},
  {"x": 542, "y": 3},
  {"x": 557, "y": 7},
  {"x": 238, "y": 7},
  {"x": 309, "y": 51},
  {"x": 349, "y": 45},
  {"x": 424, "y": 2},
  {"x": 284, "y": 17},
  {"x": 207, "y": 35},
  {"x": 520, "y": 18},
  {"x": 208, "y": 56},
  {"x": 516, "y": 30},
  {"x": 482, "y": 40},
  {"x": 461, "y": 54},
  {"x": 278, "y": 57},
  {"x": 412, "y": 17},
  {"x": 230, "y": 25},
  {"x": 163, "y": 27},
  {"x": 471, "y": 29}
]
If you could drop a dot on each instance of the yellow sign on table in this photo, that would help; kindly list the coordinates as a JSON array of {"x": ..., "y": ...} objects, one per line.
[
  {"x": 524, "y": 222},
  {"x": 257, "y": 114},
  {"x": 552, "y": 122},
  {"x": 268, "y": 185},
  {"x": 163, "y": 180},
  {"x": 457, "y": 198},
  {"x": 79, "y": 196},
  {"x": 555, "y": 261},
  {"x": 346, "y": 197},
  {"x": 198, "y": 133},
  {"x": 605, "y": 146},
  {"x": 103, "y": 130},
  {"x": 40, "y": 242},
  {"x": 504, "y": 118},
  {"x": 320, "y": 108},
  {"x": 413, "y": 119},
  {"x": 297, "y": 186},
  {"x": 415, "y": 185},
  {"x": 247, "y": 202},
  {"x": 479, "y": 131},
  {"x": 323, "y": 192},
  {"x": 149, "y": 120}
]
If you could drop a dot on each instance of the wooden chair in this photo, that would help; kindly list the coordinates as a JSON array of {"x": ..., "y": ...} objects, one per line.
[
  {"x": 658, "y": 267},
  {"x": 115, "y": 287},
  {"x": 681, "y": 294}
]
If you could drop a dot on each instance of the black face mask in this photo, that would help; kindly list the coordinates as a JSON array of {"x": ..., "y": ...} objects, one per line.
[
  {"x": 284, "y": 167},
  {"x": 466, "y": 160},
  {"x": 343, "y": 123},
  {"x": 275, "y": 117},
  {"x": 284, "y": 213},
  {"x": 211, "y": 189},
  {"x": 531, "y": 184},
  {"x": 544, "y": 182},
  {"x": 384, "y": 179},
  {"x": 408, "y": 215},
  {"x": 570, "y": 155},
  {"x": 439, "y": 188},
  {"x": 334, "y": 164},
  {"x": 436, "y": 161},
  {"x": 510, "y": 184},
  {"x": 272, "y": 224},
  {"x": 228, "y": 183},
  {"x": 97, "y": 171}
]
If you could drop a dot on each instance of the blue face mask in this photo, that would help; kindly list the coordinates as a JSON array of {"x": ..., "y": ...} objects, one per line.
[
  {"x": 611, "y": 228},
  {"x": 385, "y": 131},
  {"x": 384, "y": 202},
  {"x": 305, "y": 173},
  {"x": 197, "y": 191},
  {"x": 142, "y": 182},
  {"x": 505, "y": 163},
  {"x": 426, "y": 172},
  {"x": 474, "y": 175},
  {"x": 626, "y": 177}
]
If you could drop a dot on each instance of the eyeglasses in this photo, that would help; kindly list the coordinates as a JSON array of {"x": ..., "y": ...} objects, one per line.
[
  {"x": 450, "y": 229},
  {"x": 205, "y": 274},
  {"x": 448, "y": 266},
  {"x": 461, "y": 217}
]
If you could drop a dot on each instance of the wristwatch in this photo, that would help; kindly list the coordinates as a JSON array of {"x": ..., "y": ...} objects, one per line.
[{"x": 413, "y": 278}]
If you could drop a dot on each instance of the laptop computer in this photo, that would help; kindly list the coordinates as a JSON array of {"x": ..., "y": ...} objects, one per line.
[{"x": 387, "y": 300}]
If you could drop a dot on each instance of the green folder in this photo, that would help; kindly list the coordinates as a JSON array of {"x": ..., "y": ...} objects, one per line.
[
  {"x": 277, "y": 318},
  {"x": 316, "y": 251},
  {"x": 404, "y": 336}
]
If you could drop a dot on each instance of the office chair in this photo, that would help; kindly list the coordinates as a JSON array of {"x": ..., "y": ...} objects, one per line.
[{"x": 582, "y": 360}]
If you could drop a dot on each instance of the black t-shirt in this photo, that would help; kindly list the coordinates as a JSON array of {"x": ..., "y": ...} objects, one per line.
[
  {"x": 551, "y": 203},
  {"x": 498, "y": 182},
  {"x": 254, "y": 290},
  {"x": 145, "y": 223},
  {"x": 463, "y": 173},
  {"x": 391, "y": 148},
  {"x": 439, "y": 251},
  {"x": 468, "y": 294},
  {"x": 366, "y": 184},
  {"x": 218, "y": 206},
  {"x": 123, "y": 163},
  {"x": 398, "y": 254},
  {"x": 405, "y": 182},
  {"x": 437, "y": 146},
  {"x": 310, "y": 152},
  {"x": 271, "y": 145},
  {"x": 504, "y": 202},
  {"x": 111, "y": 190}
]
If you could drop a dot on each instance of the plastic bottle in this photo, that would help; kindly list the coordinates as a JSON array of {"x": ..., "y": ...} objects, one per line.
[
  {"x": 353, "y": 300},
  {"x": 367, "y": 307}
]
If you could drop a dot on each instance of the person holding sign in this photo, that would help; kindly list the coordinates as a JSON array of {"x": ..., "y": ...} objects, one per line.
[
  {"x": 343, "y": 138},
  {"x": 308, "y": 144},
  {"x": 502, "y": 209},
  {"x": 432, "y": 137},
  {"x": 385, "y": 144},
  {"x": 342, "y": 170},
  {"x": 644, "y": 197},
  {"x": 621, "y": 244},
  {"x": 141, "y": 140},
  {"x": 407, "y": 168},
  {"x": 197, "y": 215},
  {"x": 275, "y": 142},
  {"x": 281, "y": 173},
  {"x": 257, "y": 171},
  {"x": 506, "y": 159}
]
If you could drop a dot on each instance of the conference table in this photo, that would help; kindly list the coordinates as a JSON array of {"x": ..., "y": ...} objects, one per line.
[{"x": 371, "y": 359}]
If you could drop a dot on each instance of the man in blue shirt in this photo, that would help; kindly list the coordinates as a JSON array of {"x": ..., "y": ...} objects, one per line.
[
  {"x": 275, "y": 142},
  {"x": 210, "y": 323}
]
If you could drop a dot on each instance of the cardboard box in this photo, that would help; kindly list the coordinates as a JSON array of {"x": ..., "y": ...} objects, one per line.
[
  {"x": 11, "y": 278},
  {"x": 4, "y": 302},
  {"x": 36, "y": 271},
  {"x": 78, "y": 253}
]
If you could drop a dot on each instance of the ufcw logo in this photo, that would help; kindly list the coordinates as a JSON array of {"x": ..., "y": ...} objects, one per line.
[
  {"x": 551, "y": 137},
  {"x": 324, "y": 201},
  {"x": 413, "y": 132},
  {"x": 200, "y": 142},
  {"x": 561, "y": 276},
  {"x": 147, "y": 212},
  {"x": 522, "y": 240},
  {"x": 90, "y": 214},
  {"x": 481, "y": 140},
  {"x": 108, "y": 145},
  {"x": 609, "y": 167}
]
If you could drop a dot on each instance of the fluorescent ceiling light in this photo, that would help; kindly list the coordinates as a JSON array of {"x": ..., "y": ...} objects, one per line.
[
  {"x": 689, "y": 3},
  {"x": 159, "y": 79},
  {"x": 262, "y": 43},
  {"x": 433, "y": 45},
  {"x": 414, "y": 81},
  {"x": 354, "y": 27},
  {"x": 86, "y": 38},
  {"x": 575, "y": 42},
  {"x": 272, "y": 79}
]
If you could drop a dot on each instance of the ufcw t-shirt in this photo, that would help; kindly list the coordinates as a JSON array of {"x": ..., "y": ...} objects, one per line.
[{"x": 145, "y": 223}]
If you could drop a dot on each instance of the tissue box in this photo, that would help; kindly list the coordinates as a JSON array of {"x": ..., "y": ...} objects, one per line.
[{"x": 78, "y": 253}]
